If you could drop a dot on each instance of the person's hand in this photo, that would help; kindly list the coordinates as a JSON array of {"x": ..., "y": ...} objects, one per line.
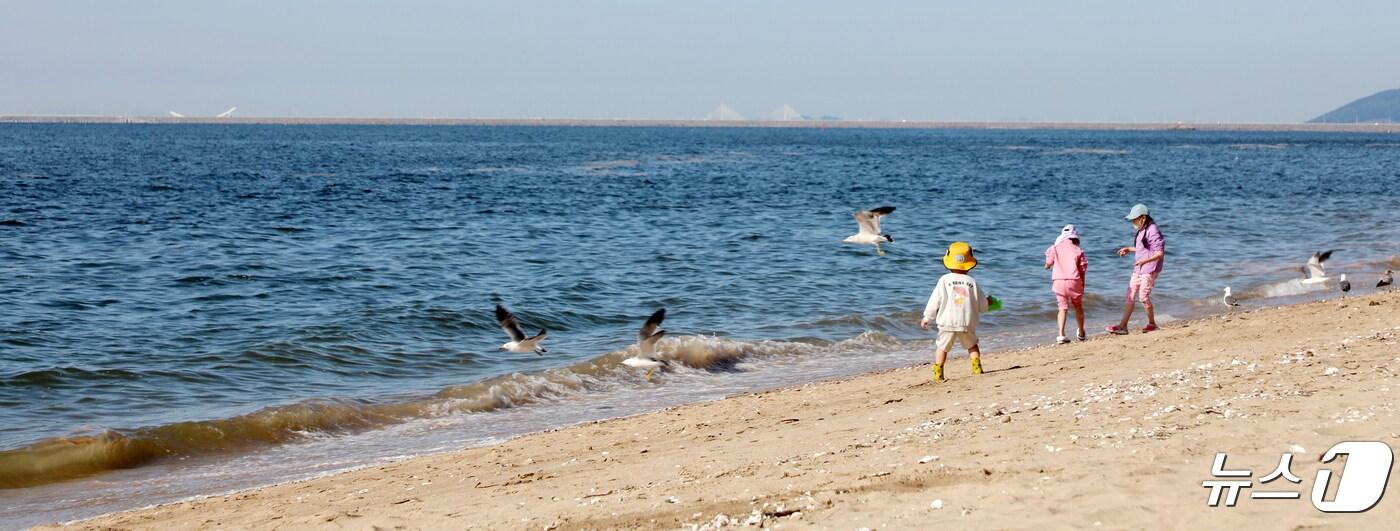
[
  {"x": 1124, "y": 251},
  {"x": 923, "y": 323}
]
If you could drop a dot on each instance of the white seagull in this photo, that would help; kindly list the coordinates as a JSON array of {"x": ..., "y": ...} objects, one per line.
[
  {"x": 1230, "y": 298},
  {"x": 1344, "y": 284},
  {"x": 869, "y": 221},
  {"x": 1314, "y": 270},
  {"x": 518, "y": 342},
  {"x": 1386, "y": 280},
  {"x": 646, "y": 345}
]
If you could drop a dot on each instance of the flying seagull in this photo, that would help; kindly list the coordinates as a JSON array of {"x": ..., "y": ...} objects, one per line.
[
  {"x": 518, "y": 342},
  {"x": 1230, "y": 298},
  {"x": 646, "y": 345},
  {"x": 869, "y": 221},
  {"x": 1346, "y": 286},
  {"x": 1387, "y": 279},
  {"x": 1313, "y": 270}
]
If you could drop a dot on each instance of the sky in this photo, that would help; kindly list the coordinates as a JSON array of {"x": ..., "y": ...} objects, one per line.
[{"x": 1114, "y": 61}]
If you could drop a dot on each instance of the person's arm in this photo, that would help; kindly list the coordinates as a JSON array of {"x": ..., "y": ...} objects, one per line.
[
  {"x": 1155, "y": 257},
  {"x": 1123, "y": 251},
  {"x": 1156, "y": 244},
  {"x": 931, "y": 310},
  {"x": 1050, "y": 257},
  {"x": 1083, "y": 265}
]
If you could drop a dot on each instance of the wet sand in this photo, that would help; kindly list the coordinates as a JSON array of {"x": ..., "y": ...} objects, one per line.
[{"x": 1116, "y": 432}]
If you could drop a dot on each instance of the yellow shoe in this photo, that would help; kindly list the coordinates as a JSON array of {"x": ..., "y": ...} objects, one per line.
[
  {"x": 976, "y": 365},
  {"x": 937, "y": 372}
]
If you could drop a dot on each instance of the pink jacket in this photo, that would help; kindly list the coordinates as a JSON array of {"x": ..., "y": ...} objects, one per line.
[{"x": 1067, "y": 261}]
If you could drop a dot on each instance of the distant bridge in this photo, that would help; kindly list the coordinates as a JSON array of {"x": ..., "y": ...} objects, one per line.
[
  {"x": 225, "y": 114},
  {"x": 786, "y": 114},
  {"x": 724, "y": 113}
]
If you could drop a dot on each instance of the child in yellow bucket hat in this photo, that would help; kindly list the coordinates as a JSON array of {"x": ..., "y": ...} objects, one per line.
[{"x": 954, "y": 306}]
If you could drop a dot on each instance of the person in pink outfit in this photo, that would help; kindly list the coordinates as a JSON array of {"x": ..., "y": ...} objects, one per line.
[
  {"x": 1068, "y": 265},
  {"x": 1148, "y": 252}
]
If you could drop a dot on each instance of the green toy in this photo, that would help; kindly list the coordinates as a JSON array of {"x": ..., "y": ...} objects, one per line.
[{"x": 993, "y": 303}]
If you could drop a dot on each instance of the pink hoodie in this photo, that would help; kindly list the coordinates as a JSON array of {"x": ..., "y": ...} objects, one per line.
[{"x": 1067, "y": 259}]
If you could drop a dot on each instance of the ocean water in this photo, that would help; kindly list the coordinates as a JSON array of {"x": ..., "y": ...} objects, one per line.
[{"x": 189, "y": 309}]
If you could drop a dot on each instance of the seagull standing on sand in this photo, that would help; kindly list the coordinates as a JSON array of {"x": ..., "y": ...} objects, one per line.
[
  {"x": 869, "y": 221},
  {"x": 646, "y": 345},
  {"x": 1314, "y": 270},
  {"x": 518, "y": 342},
  {"x": 1386, "y": 280},
  {"x": 1230, "y": 298},
  {"x": 1346, "y": 286}
]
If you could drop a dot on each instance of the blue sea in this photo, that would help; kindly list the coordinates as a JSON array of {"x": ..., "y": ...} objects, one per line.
[{"x": 192, "y": 309}]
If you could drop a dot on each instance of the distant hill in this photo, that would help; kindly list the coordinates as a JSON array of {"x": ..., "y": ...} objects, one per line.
[{"x": 1383, "y": 107}]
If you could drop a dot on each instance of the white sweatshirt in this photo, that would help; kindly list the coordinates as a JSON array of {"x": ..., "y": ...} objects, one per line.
[{"x": 956, "y": 302}]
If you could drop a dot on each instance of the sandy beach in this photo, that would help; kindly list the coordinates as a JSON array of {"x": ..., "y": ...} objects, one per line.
[{"x": 1116, "y": 432}]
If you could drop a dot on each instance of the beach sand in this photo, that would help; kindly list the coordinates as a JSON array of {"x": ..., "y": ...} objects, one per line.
[{"x": 1116, "y": 432}]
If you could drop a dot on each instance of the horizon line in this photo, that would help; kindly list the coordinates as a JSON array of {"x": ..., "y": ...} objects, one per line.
[{"x": 1387, "y": 127}]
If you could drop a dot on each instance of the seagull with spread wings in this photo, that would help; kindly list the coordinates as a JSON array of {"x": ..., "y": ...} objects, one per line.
[
  {"x": 1314, "y": 269},
  {"x": 647, "y": 337},
  {"x": 869, "y": 222},
  {"x": 518, "y": 342}
]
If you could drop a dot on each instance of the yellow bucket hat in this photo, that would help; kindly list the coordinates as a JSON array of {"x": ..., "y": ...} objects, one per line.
[{"x": 959, "y": 257}]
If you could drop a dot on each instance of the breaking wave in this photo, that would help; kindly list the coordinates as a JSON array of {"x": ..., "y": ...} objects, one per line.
[{"x": 85, "y": 454}]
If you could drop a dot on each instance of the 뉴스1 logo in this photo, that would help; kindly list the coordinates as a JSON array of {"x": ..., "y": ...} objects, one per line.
[{"x": 1360, "y": 485}]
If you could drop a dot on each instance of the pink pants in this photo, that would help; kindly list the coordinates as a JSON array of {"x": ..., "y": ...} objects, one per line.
[
  {"x": 1140, "y": 288},
  {"x": 1068, "y": 291}
]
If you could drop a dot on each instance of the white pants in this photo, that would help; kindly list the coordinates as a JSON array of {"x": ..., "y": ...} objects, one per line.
[{"x": 945, "y": 339}]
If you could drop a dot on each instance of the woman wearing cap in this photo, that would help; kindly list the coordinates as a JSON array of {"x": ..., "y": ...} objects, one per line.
[{"x": 1148, "y": 251}]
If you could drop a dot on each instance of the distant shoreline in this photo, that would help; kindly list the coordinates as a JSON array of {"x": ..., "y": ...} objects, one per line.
[{"x": 812, "y": 124}]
